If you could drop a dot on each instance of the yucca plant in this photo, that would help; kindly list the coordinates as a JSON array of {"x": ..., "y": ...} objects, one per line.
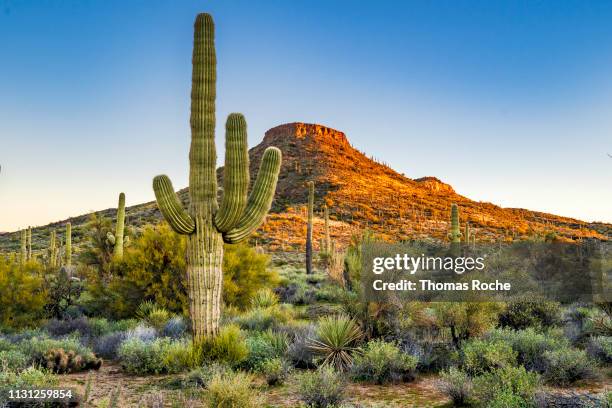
[{"x": 336, "y": 341}]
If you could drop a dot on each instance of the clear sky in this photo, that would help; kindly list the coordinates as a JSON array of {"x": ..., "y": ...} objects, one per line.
[{"x": 508, "y": 101}]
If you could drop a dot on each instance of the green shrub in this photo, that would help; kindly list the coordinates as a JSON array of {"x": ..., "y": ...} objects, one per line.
[
  {"x": 530, "y": 312},
  {"x": 336, "y": 340},
  {"x": 13, "y": 360},
  {"x": 232, "y": 390},
  {"x": 530, "y": 346},
  {"x": 600, "y": 348},
  {"x": 276, "y": 371},
  {"x": 177, "y": 356},
  {"x": 200, "y": 377},
  {"x": 59, "y": 355},
  {"x": 566, "y": 366},
  {"x": 321, "y": 388},
  {"x": 457, "y": 385},
  {"x": 228, "y": 347},
  {"x": 22, "y": 294},
  {"x": 383, "y": 362},
  {"x": 30, "y": 377},
  {"x": 262, "y": 319},
  {"x": 466, "y": 320},
  {"x": 139, "y": 357},
  {"x": 264, "y": 346},
  {"x": 481, "y": 356},
  {"x": 264, "y": 298},
  {"x": 507, "y": 382},
  {"x": 153, "y": 315}
]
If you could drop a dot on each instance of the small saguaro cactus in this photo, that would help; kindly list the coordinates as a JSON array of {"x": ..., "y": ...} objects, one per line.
[
  {"x": 24, "y": 247},
  {"x": 206, "y": 224},
  {"x": 467, "y": 235},
  {"x": 52, "y": 250},
  {"x": 455, "y": 234},
  {"x": 327, "y": 239},
  {"x": 309, "y": 227},
  {"x": 68, "y": 245},
  {"x": 29, "y": 238},
  {"x": 117, "y": 240}
]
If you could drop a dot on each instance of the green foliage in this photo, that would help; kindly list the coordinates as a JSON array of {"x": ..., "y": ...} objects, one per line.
[
  {"x": 482, "y": 356},
  {"x": 383, "y": 362},
  {"x": 506, "y": 383},
  {"x": 96, "y": 252},
  {"x": 262, "y": 319},
  {"x": 336, "y": 341},
  {"x": 264, "y": 298},
  {"x": 153, "y": 315},
  {"x": 530, "y": 312},
  {"x": 177, "y": 356},
  {"x": 530, "y": 345},
  {"x": 457, "y": 385},
  {"x": 264, "y": 346},
  {"x": 62, "y": 293},
  {"x": 22, "y": 293},
  {"x": 58, "y": 355},
  {"x": 600, "y": 348},
  {"x": 200, "y": 377},
  {"x": 321, "y": 388},
  {"x": 466, "y": 319},
  {"x": 245, "y": 274},
  {"x": 13, "y": 359},
  {"x": 566, "y": 366},
  {"x": 232, "y": 390},
  {"x": 276, "y": 371},
  {"x": 30, "y": 377},
  {"x": 228, "y": 347},
  {"x": 154, "y": 357}
]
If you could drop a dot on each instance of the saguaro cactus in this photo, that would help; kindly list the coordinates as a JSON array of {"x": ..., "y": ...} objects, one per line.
[
  {"x": 24, "y": 247},
  {"x": 206, "y": 224},
  {"x": 309, "y": 228},
  {"x": 455, "y": 234},
  {"x": 118, "y": 240},
  {"x": 68, "y": 245},
  {"x": 29, "y": 238},
  {"x": 327, "y": 239},
  {"x": 52, "y": 250},
  {"x": 467, "y": 235}
]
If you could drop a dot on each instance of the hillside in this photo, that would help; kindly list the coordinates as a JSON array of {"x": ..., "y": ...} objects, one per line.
[{"x": 361, "y": 193}]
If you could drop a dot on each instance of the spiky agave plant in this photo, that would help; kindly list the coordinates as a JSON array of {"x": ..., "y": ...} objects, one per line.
[
  {"x": 206, "y": 224},
  {"x": 336, "y": 340}
]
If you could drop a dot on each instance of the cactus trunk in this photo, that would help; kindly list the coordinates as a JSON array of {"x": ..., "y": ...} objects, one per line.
[
  {"x": 24, "y": 247},
  {"x": 68, "y": 245},
  {"x": 328, "y": 242},
  {"x": 29, "y": 236},
  {"x": 52, "y": 250},
  {"x": 206, "y": 224},
  {"x": 119, "y": 228},
  {"x": 309, "y": 228}
]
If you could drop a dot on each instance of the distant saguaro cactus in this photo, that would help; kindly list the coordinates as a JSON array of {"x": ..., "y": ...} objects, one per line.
[
  {"x": 117, "y": 240},
  {"x": 327, "y": 238},
  {"x": 467, "y": 235},
  {"x": 52, "y": 250},
  {"x": 23, "y": 258},
  {"x": 68, "y": 245},
  {"x": 455, "y": 234},
  {"x": 207, "y": 225},
  {"x": 29, "y": 237},
  {"x": 309, "y": 227}
]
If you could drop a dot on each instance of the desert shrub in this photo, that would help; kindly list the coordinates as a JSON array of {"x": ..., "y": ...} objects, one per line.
[
  {"x": 175, "y": 328},
  {"x": 481, "y": 356},
  {"x": 245, "y": 272},
  {"x": 600, "y": 349},
  {"x": 59, "y": 328},
  {"x": 61, "y": 361},
  {"x": 59, "y": 355},
  {"x": 30, "y": 377},
  {"x": 153, "y": 315},
  {"x": 264, "y": 346},
  {"x": 262, "y": 319},
  {"x": 330, "y": 293},
  {"x": 457, "y": 385},
  {"x": 296, "y": 293},
  {"x": 143, "y": 333},
  {"x": 466, "y": 320},
  {"x": 383, "y": 362},
  {"x": 573, "y": 399},
  {"x": 299, "y": 352},
  {"x": 566, "y": 366},
  {"x": 158, "y": 356},
  {"x": 509, "y": 384},
  {"x": 336, "y": 340},
  {"x": 228, "y": 347},
  {"x": 13, "y": 360},
  {"x": 264, "y": 298},
  {"x": 22, "y": 294},
  {"x": 530, "y": 345},
  {"x": 433, "y": 356},
  {"x": 232, "y": 390},
  {"x": 108, "y": 345},
  {"x": 276, "y": 371},
  {"x": 321, "y": 388},
  {"x": 200, "y": 377},
  {"x": 530, "y": 312}
]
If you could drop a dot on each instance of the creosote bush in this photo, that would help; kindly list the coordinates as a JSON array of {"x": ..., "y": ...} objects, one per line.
[
  {"x": 228, "y": 347},
  {"x": 482, "y": 356},
  {"x": 530, "y": 312},
  {"x": 321, "y": 388},
  {"x": 566, "y": 366},
  {"x": 382, "y": 362},
  {"x": 154, "y": 357},
  {"x": 232, "y": 390},
  {"x": 508, "y": 384},
  {"x": 457, "y": 385}
]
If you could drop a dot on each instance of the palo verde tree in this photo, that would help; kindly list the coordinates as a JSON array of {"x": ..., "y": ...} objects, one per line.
[{"x": 206, "y": 224}]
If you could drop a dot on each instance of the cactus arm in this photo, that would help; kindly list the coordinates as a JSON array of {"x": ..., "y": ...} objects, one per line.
[
  {"x": 110, "y": 238},
  {"x": 260, "y": 198},
  {"x": 236, "y": 174},
  {"x": 202, "y": 153},
  {"x": 171, "y": 207},
  {"x": 68, "y": 239}
]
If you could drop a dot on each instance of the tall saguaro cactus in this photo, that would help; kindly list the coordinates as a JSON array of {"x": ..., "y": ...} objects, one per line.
[
  {"x": 24, "y": 247},
  {"x": 52, "y": 250},
  {"x": 327, "y": 239},
  {"x": 467, "y": 235},
  {"x": 206, "y": 224},
  {"x": 309, "y": 228},
  {"x": 29, "y": 238},
  {"x": 118, "y": 240},
  {"x": 455, "y": 234},
  {"x": 68, "y": 245}
]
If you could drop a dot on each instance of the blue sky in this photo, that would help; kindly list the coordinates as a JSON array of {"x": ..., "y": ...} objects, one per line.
[{"x": 508, "y": 101}]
